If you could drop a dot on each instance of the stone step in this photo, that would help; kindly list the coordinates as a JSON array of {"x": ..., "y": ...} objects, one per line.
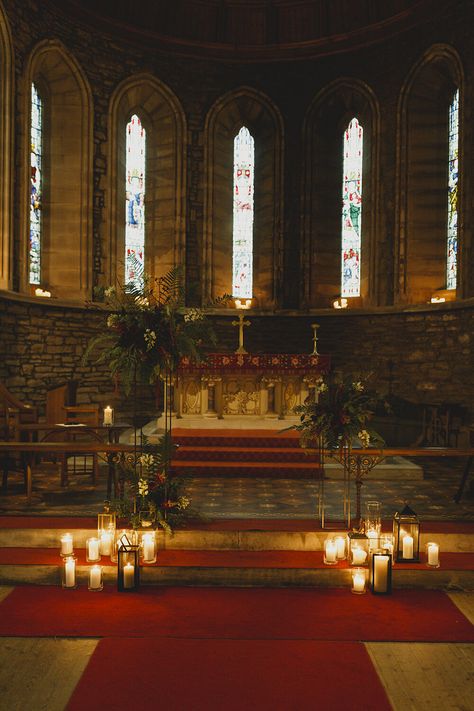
[
  {"x": 269, "y": 535},
  {"x": 275, "y": 470},
  {"x": 276, "y": 568},
  {"x": 236, "y": 438},
  {"x": 239, "y": 454}
]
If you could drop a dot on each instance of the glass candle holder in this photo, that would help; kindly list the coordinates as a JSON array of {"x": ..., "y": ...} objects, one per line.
[
  {"x": 341, "y": 547},
  {"x": 357, "y": 548},
  {"x": 432, "y": 555},
  {"x": 92, "y": 550},
  {"x": 106, "y": 539},
  {"x": 358, "y": 581},
  {"x": 330, "y": 551},
  {"x": 69, "y": 572},
  {"x": 381, "y": 572},
  {"x": 67, "y": 545},
  {"x": 148, "y": 547},
  {"x": 95, "y": 579},
  {"x": 386, "y": 543}
]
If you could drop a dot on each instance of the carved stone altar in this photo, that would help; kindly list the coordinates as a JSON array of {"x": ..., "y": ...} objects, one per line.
[{"x": 227, "y": 385}]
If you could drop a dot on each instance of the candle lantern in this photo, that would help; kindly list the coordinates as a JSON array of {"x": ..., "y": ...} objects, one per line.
[
  {"x": 357, "y": 548},
  {"x": 406, "y": 536},
  {"x": 381, "y": 572},
  {"x": 358, "y": 581},
  {"x": 95, "y": 579},
  {"x": 124, "y": 536},
  {"x": 128, "y": 570},
  {"x": 432, "y": 555},
  {"x": 106, "y": 529},
  {"x": 69, "y": 572},
  {"x": 92, "y": 550},
  {"x": 67, "y": 545},
  {"x": 373, "y": 523},
  {"x": 386, "y": 542},
  {"x": 148, "y": 547},
  {"x": 330, "y": 551}
]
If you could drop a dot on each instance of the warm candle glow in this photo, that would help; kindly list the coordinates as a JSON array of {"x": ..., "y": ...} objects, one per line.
[
  {"x": 66, "y": 544},
  {"x": 358, "y": 580},
  {"x": 243, "y": 303},
  {"x": 108, "y": 415}
]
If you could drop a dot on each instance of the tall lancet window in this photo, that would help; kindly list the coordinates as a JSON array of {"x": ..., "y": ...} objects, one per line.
[
  {"x": 36, "y": 161},
  {"x": 135, "y": 200},
  {"x": 352, "y": 209},
  {"x": 244, "y": 176},
  {"x": 453, "y": 146}
]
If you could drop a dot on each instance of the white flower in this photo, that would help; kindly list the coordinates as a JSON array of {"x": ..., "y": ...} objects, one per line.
[
  {"x": 110, "y": 291},
  {"x": 150, "y": 339},
  {"x": 358, "y": 387},
  {"x": 142, "y": 487},
  {"x": 364, "y": 438},
  {"x": 146, "y": 460},
  {"x": 183, "y": 502},
  {"x": 193, "y": 315}
]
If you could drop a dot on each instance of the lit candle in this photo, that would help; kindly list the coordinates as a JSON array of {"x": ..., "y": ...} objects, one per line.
[
  {"x": 93, "y": 549},
  {"x": 372, "y": 535},
  {"x": 359, "y": 556},
  {"x": 358, "y": 581},
  {"x": 381, "y": 573},
  {"x": 341, "y": 547},
  {"x": 95, "y": 578},
  {"x": 433, "y": 554},
  {"x": 66, "y": 544},
  {"x": 330, "y": 551},
  {"x": 129, "y": 575},
  {"x": 408, "y": 547},
  {"x": 148, "y": 541},
  {"x": 108, "y": 415},
  {"x": 106, "y": 543},
  {"x": 387, "y": 543},
  {"x": 70, "y": 573}
]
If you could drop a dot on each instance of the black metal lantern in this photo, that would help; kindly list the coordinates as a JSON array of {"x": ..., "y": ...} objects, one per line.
[
  {"x": 406, "y": 536},
  {"x": 128, "y": 568},
  {"x": 381, "y": 572}
]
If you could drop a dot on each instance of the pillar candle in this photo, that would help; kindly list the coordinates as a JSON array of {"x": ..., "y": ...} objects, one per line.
[
  {"x": 108, "y": 415},
  {"x": 330, "y": 551},
  {"x": 148, "y": 541},
  {"x": 95, "y": 577},
  {"x": 359, "y": 556},
  {"x": 433, "y": 554},
  {"x": 93, "y": 549},
  {"x": 408, "y": 547},
  {"x": 358, "y": 581},
  {"x": 69, "y": 573},
  {"x": 106, "y": 543},
  {"x": 129, "y": 575},
  {"x": 341, "y": 547},
  {"x": 381, "y": 573},
  {"x": 66, "y": 544}
]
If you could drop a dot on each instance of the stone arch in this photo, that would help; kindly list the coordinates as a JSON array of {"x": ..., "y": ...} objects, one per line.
[
  {"x": 67, "y": 213},
  {"x": 243, "y": 107},
  {"x": 6, "y": 141},
  {"x": 165, "y": 202},
  {"x": 423, "y": 172},
  {"x": 324, "y": 125}
]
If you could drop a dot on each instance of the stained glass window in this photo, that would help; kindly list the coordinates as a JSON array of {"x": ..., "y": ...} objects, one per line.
[
  {"x": 452, "y": 247},
  {"x": 36, "y": 153},
  {"x": 135, "y": 200},
  {"x": 244, "y": 175},
  {"x": 351, "y": 208}
]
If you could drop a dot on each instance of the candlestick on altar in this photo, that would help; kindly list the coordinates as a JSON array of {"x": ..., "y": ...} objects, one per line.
[
  {"x": 241, "y": 323},
  {"x": 315, "y": 327}
]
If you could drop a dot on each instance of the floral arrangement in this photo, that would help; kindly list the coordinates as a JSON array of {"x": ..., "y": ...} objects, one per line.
[
  {"x": 148, "y": 329},
  {"x": 149, "y": 496},
  {"x": 338, "y": 414}
]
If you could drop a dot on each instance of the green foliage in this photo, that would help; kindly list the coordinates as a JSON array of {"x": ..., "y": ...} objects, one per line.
[{"x": 339, "y": 414}]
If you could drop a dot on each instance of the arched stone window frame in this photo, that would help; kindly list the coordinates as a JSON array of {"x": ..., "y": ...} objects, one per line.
[
  {"x": 165, "y": 203},
  {"x": 422, "y": 160},
  {"x": 6, "y": 152},
  {"x": 250, "y": 108},
  {"x": 326, "y": 120},
  {"x": 68, "y": 145}
]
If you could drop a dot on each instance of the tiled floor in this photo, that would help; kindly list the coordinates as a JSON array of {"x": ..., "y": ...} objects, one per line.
[{"x": 216, "y": 497}]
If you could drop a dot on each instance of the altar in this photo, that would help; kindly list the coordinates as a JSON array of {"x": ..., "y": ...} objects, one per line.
[{"x": 243, "y": 385}]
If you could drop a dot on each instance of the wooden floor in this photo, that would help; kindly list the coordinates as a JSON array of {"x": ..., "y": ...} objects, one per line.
[{"x": 40, "y": 674}]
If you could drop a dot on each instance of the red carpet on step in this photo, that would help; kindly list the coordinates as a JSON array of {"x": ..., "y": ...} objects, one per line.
[
  {"x": 234, "y": 613},
  {"x": 229, "y": 674}
]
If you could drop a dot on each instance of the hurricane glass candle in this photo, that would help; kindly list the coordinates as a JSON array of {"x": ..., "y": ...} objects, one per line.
[
  {"x": 358, "y": 581},
  {"x": 95, "y": 578},
  {"x": 92, "y": 550},
  {"x": 69, "y": 572},
  {"x": 66, "y": 544}
]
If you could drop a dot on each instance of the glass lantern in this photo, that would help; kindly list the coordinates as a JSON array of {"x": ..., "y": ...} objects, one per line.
[
  {"x": 330, "y": 551},
  {"x": 358, "y": 581},
  {"x": 95, "y": 578},
  {"x": 68, "y": 578},
  {"x": 124, "y": 536},
  {"x": 148, "y": 547},
  {"x": 106, "y": 522},
  {"x": 386, "y": 542},
  {"x": 432, "y": 555},
  {"x": 357, "y": 548},
  {"x": 92, "y": 550},
  {"x": 373, "y": 523},
  {"x": 128, "y": 569},
  {"x": 381, "y": 572},
  {"x": 406, "y": 536}
]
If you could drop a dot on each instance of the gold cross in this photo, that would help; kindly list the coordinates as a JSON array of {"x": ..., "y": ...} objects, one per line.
[
  {"x": 241, "y": 323},
  {"x": 315, "y": 327}
]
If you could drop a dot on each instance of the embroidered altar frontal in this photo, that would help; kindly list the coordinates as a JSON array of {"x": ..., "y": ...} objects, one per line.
[{"x": 268, "y": 385}]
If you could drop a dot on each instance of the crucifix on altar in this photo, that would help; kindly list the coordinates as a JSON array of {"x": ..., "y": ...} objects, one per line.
[{"x": 241, "y": 306}]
